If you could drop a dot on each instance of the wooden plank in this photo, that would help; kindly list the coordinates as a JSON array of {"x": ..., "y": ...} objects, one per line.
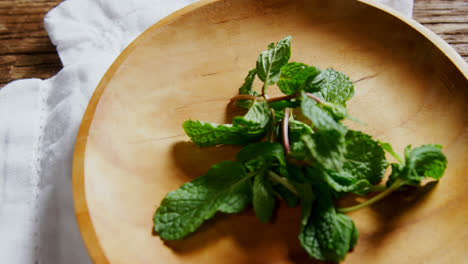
[
  {"x": 23, "y": 38},
  {"x": 25, "y": 49},
  {"x": 448, "y": 19}
]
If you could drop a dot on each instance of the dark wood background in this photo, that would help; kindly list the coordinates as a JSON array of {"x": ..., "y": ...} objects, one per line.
[{"x": 26, "y": 51}]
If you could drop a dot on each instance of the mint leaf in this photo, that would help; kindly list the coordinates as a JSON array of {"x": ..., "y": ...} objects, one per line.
[
  {"x": 320, "y": 118},
  {"x": 286, "y": 195},
  {"x": 207, "y": 134},
  {"x": 279, "y": 114},
  {"x": 258, "y": 158},
  {"x": 256, "y": 119},
  {"x": 246, "y": 88},
  {"x": 346, "y": 224},
  {"x": 224, "y": 188},
  {"x": 327, "y": 235},
  {"x": 306, "y": 194},
  {"x": 365, "y": 159},
  {"x": 263, "y": 200},
  {"x": 336, "y": 111},
  {"x": 326, "y": 146},
  {"x": 270, "y": 61},
  {"x": 355, "y": 167},
  {"x": 280, "y": 105},
  {"x": 343, "y": 182},
  {"x": 293, "y": 76},
  {"x": 421, "y": 162},
  {"x": 340, "y": 182},
  {"x": 333, "y": 86},
  {"x": 387, "y": 147},
  {"x": 249, "y": 128},
  {"x": 297, "y": 129},
  {"x": 326, "y": 149},
  {"x": 271, "y": 153},
  {"x": 426, "y": 160},
  {"x": 319, "y": 160}
]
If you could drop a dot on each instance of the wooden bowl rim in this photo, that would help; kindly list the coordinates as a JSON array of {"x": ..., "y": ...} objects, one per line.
[{"x": 85, "y": 223}]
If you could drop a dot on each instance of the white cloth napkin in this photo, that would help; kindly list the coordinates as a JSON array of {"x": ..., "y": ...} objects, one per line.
[{"x": 39, "y": 120}]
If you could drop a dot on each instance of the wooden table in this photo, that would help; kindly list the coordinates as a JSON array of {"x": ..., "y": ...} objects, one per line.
[{"x": 26, "y": 51}]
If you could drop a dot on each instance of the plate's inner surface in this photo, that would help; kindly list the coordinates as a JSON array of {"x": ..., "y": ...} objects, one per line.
[{"x": 136, "y": 152}]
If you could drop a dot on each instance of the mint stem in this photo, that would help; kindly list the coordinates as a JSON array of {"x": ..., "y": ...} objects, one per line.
[
  {"x": 378, "y": 188},
  {"x": 258, "y": 98},
  {"x": 264, "y": 90},
  {"x": 244, "y": 97},
  {"x": 283, "y": 181},
  {"x": 271, "y": 131},
  {"x": 397, "y": 184},
  {"x": 285, "y": 126},
  {"x": 318, "y": 100},
  {"x": 280, "y": 98}
]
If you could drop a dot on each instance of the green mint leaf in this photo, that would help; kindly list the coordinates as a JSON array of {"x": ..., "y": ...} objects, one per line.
[
  {"x": 339, "y": 182},
  {"x": 333, "y": 86},
  {"x": 338, "y": 112},
  {"x": 326, "y": 146},
  {"x": 279, "y": 114},
  {"x": 245, "y": 129},
  {"x": 286, "y": 195},
  {"x": 427, "y": 160},
  {"x": 246, "y": 88},
  {"x": 280, "y": 105},
  {"x": 342, "y": 182},
  {"x": 387, "y": 147},
  {"x": 271, "y": 154},
  {"x": 320, "y": 118},
  {"x": 270, "y": 61},
  {"x": 326, "y": 149},
  {"x": 257, "y": 165},
  {"x": 207, "y": 134},
  {"x": 258, "y": 158},
  {"x": 365, "y": 159},
  {"x": 354, "y": 168},
  {"x": 295, "y": 173},
  {"x": 256, "y": 119},
  {"x": 327, "y": 236},
  {"x": 293, "y": 76},
  {"x": 346, "y": 224},
  {"x": 262, "y": 199},
  {"x": 224, "y": 188},
  {"x": 399, "y": 172},
  {"x": 297, "y": 129},
  {"x": 421, "y": 162},
  {"x": 306, "y": 194},
  {"x": 244, "y": 103}
]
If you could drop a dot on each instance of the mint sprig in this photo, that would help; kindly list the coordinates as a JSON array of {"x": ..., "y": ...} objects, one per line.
[{"x": 295, "y": 149}]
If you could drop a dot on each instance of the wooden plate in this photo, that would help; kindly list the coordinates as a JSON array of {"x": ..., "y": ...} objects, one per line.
[{"x": 411, "y": 87}]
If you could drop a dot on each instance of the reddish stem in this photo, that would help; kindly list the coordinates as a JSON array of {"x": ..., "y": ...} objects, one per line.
[
  {"x": 244, "y": 97},
  {"x": 271, "y": 133},
  {"x": 285, "y": 125},
  {"x": 251, "y": 97},
  {"x": 318, "y": 100},
  {"x": 280, "y": 98}
]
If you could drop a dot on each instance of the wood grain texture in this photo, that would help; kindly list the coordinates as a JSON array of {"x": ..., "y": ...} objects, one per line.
[
  {"x": 448, "y": 19},
  {"x": 25, "y": 48},
  {"x": 131, "y": 149},
  {"x": 26, "y": 51}
]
